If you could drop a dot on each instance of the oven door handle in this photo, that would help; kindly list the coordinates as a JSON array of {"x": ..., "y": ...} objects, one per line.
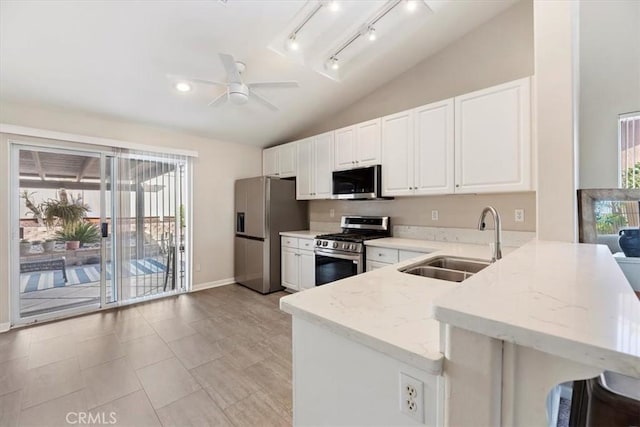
[{"x": 353, "y": 258}]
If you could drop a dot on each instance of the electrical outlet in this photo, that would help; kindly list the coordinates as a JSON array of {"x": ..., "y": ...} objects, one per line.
[
  {"x": 434, "y": 215},
  {"x": 519, "y": 215},
  {"x": 332, "y": 213},
  {"x": 411, "y": 400}
]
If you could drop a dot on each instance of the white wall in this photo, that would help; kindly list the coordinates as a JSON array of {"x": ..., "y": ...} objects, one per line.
[
  {"x": 219, "y": 164},
  {"x": 609, "y": 84}
]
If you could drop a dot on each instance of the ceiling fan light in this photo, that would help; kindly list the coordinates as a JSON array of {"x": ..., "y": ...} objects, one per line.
[
  {"x": 412, "y": 5},
  {"x": 292, "y": 43},
  {"x": 183, "y": 87},
  {"x": 238, "y": 98}
]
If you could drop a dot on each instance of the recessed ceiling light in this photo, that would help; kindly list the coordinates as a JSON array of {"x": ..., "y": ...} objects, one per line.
[
  {"x": 334, "y": 6},
  {"x": 292, "y": 44},
  {"x": 412, "y": 5},
  {"x": 183, "y": 87},
  {"x": 333, "y": 63},
  {"x": 371, "y": 34}
]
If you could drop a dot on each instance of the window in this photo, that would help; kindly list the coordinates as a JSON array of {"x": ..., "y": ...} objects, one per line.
[{"x": 629, "y": 137}]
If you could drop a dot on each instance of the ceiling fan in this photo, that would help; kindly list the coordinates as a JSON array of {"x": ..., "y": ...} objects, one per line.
[{"x": 237, "y": 91}]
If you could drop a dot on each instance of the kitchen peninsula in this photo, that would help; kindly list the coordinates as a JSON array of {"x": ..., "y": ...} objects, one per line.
[{"x": 546, "y": 313}]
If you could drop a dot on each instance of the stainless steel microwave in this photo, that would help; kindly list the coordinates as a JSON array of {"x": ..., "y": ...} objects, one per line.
[{"x": 356, "y": 184}]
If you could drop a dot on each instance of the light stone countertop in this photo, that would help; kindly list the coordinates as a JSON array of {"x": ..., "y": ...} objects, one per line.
[
  {"x": 302, "y": 234},
  {"x": 569, "y": 300},
  {"x": 566, "y": 299},
  {"x": 385, "y": 309}
]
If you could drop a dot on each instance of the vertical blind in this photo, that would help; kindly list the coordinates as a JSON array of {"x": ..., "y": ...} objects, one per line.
[
  {"x": 150, "y": 239},
  {"x": 629, "y": 136}
]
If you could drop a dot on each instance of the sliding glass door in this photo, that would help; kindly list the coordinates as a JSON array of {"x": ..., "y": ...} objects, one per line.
[{"x": 96, "y": 228}]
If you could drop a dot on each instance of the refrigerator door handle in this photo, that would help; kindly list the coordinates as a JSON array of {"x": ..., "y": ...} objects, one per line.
[{"x": 239, "y": 222}]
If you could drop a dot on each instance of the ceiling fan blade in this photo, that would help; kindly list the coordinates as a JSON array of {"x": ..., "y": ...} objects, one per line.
[
  {"x": 207, "y": 82},
  {"x": 283, "y": 84},
  {"x": 176, "y": 79},
  {"x": 218, "y": 99},
  {"x": 261, "y": 99},
  {"x": 230, "y": 66}
]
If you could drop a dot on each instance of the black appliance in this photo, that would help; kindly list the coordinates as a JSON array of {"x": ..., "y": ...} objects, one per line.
[
  {"x": 357, "y": 184},
  {"x": 342, "y": 255}
]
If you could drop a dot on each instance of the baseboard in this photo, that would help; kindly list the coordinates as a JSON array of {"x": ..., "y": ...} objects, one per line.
[
  {"x": 214, "y": 284},
  {"x": 4, "y": 327}
]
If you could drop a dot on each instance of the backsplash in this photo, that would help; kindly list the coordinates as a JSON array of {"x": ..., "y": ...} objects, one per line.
[{"x": 454, "y": 211}]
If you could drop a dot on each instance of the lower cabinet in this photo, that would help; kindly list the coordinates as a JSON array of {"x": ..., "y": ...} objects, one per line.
[
  {"x": 383, "y": 257},
  {"x": 298, "y": 263}
]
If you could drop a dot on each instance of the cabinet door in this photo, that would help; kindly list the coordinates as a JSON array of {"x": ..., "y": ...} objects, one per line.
[
  {"x": 307, "y": 262},
  {"x": 322, "y": 159},
  {"x": 287, "y": 160},
  {"x": 433, "y": 148},
  {"x": 368, "y": 143},
  {"x": 344, "y": 148},
  {"x": 304, "y": 180},
  {"x": 397, "y": 154},
  {"x": 290, "y": 266},
  {"x": 270, "y": 161},
  {"x": 492, "y": 139}
]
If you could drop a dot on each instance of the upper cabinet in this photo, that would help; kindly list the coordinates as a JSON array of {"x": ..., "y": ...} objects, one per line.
[
  {"x": 493, "y": 139},
  {"x": 479, "y": 142},
  {"x": 357, "y": 145},
  {"x": 315, "y": 162},
  {"x": 280, "y": 161},
  {"x": 417, "y": 151}
]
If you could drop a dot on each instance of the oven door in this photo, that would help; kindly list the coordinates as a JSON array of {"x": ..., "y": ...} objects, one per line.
[{"x": 335, "y": 265}]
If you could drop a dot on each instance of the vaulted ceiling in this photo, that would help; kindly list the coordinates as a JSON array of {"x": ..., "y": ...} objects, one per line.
[{"x": 119, "y": 58}]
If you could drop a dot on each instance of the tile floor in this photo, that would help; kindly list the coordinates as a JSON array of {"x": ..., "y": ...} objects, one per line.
[{"x": 219, "y": 357}]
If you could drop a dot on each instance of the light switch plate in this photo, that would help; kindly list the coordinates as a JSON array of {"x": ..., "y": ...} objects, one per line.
[{"x": 434, "y": 215}]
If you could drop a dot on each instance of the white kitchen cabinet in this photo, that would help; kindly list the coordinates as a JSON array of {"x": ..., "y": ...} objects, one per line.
[
  {"x": 314, "y": 158},
  {"x": 297, "y": 263},
  {"x": 290, "y": 267},
  {"x": 492, "y": 139},
  {"x": 433, "y": 150},
  {"x": 280, "y": 160},
  {"x": 417, "y": 151},
  {"x": 270, "y": 161},
  {"x": 357, "y": 145}
]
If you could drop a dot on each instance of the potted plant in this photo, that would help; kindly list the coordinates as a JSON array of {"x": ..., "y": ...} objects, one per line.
[
  {"x": 48, "y": 245},
  {"x": 66, "y": 213},
  {"x": 79, "y": 234},
  {"x": 25, "y": 247}
]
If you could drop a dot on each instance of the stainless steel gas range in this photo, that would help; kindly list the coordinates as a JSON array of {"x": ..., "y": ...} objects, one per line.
[{"x": 342, "y": 255}]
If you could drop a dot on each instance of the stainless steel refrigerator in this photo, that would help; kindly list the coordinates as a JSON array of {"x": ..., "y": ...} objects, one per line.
[{"x": 264, "y": 207}]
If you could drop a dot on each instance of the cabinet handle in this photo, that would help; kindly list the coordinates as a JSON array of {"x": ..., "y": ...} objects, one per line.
[
  {"x": 457, "y": 185},
  {"x": 379, "y": 254}
]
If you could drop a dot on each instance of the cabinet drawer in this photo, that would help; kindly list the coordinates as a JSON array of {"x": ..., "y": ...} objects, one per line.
[
  {"x": 390, "y": 256},
  {"x": 289, "y": 242},
  {"x": 374, "y": 265},
  {"x": 405, "y": 255},
  {"x": 305, "y": 244}
]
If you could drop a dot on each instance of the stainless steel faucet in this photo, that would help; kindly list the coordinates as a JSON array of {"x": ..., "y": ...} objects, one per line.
[{"x": 497, "y": 249}]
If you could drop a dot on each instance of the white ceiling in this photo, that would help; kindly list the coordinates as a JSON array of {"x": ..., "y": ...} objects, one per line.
[{"x": 113, "y": 58}]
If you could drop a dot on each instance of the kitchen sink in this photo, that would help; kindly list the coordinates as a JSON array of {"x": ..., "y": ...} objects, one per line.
[{"x": 452, "y": 269}]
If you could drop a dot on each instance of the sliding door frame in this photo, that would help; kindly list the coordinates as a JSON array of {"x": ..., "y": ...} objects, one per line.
[{"x": 35, "y": 141}]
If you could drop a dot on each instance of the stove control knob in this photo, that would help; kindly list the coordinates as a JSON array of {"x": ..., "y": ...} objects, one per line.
[
  {"x": 335, "y": 245},
  {"x": 318, "y": 242},
  {"x": 345, "y": 246},
  {"x": 353, "y": 247},
  {"x": 324, "y": 243}
]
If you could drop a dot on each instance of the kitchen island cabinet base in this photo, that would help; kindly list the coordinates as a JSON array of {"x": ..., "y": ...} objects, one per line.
[{"x": 337, "y": 381}]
